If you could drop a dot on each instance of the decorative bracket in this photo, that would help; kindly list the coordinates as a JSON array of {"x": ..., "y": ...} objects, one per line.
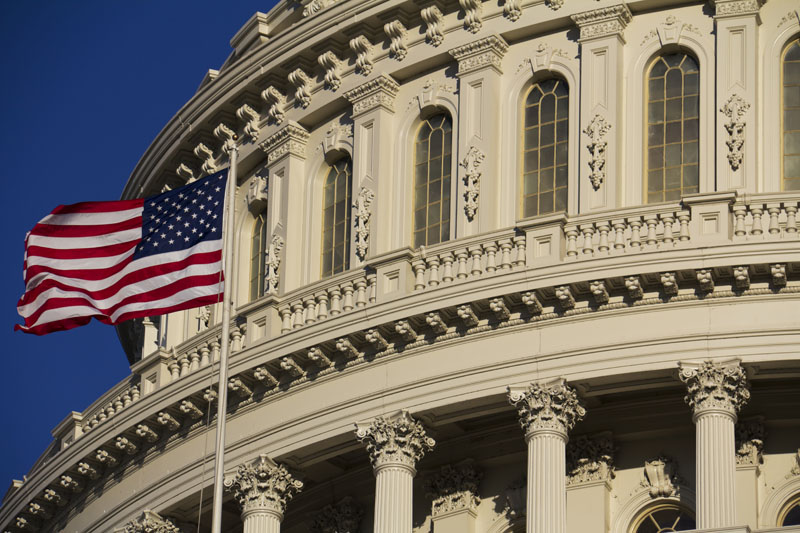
[
  {"x": 276, "y": 102},
  {"x": 331, "y": 64}
]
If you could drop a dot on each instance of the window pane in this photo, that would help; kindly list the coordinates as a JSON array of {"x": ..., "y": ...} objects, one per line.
[
  {"x": 790, "y": 99},
  {"x": 337, "y": 199},
  {"x": 432, "y": 190}
]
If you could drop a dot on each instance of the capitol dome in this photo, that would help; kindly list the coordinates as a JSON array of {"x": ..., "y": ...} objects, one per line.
[{"x": 499, "y": 267}]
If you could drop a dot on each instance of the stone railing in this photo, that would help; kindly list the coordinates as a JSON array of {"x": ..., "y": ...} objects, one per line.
[
  {"x": 766, "y": 216},
  {"x": 115, "y": 400}
]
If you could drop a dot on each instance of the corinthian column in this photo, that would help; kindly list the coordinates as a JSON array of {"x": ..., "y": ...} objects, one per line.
[
  {"x": 262, "y": 488},
  {"x": 547, "y": 412},
  {"x": 716, "y": 392},
  {"x": 395, "y": 443}
]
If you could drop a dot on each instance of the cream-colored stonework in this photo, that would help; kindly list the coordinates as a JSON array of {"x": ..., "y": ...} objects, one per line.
[{"x": 651, "y": 351}]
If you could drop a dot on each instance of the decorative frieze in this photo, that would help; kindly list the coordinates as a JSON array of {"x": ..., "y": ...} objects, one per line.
[
  {"x": 151, "y": 522},
  {"x": 363, "y": 49},
  {"x": 481, "y": 54},
  {"x": 660, "y": 477},
  {"x": 715, "y": 386},
  {"x": 472, "y": 176},
  {"x": 250, "y": 117},
  {"x": 597, "y": 130},
  {"x": 276, "y": 104},
  {"x": 473, "y": 10},
  {"x": 289, "y": 140},
  {"x": 749, "y": 443},
  {"x": 736, "y": 8},
  {"x": 590, "y": 459},
  {"x": 343, "y": 517},
  {"x": 454, "y": 488},
  {"x": 263, "y": 485},
  {"x": 434, "y": 25},
  {"x": 397, "y": 33},
  {"x": 380, "y": 92},
  {"x": 362, "y": 212},
  {"x": 273, "y": 264},
  {"x": 546, "y": 406},
  {"x": 301, "y": 82},
  {"x": 331, "y": 64},
  {"x": 602, "y": 22},
  {"x": 735, "y": 109},
  {"x": 396, "y": 439}
]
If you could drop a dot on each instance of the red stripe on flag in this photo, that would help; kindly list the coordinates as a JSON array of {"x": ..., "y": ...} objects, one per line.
[
  {"x": 98, "y": 207},
  {"x": 82, "y": 253},
  {"x": 55, "y": 230}
]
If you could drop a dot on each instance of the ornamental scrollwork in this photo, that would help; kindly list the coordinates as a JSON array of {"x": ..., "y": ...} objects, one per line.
[
  {"x": 590, "y": 459},
  {"x": 250, "y": 117},
  {"x": 661, "y": 477},
  {"x": 276, "y": 103},
  {"x": 512, "y": 10},
  {"x": 454, "y": 488},
  {"x": 434, "y": 25},
  {"x": 362, "y": 207},
  {"x": 273, "y": 263},
  {"x": 472, "y": 180},
  {"x": 713, "y": 385},
  {"x": 151, "y": 522},
  {"x": 395, "y": 440},
  {"x": 301, "y": 82},
  {"x": 735, "y": 109},
  {"x": 263, "y": 485},
  {"x": 343, "y": 517},
  {"x": 363, "y": 49},
  {"x": 553, "y": 406},
  {"x": 596, "y": 131},
  {"x": 331, "y": 64},
  {"x": 472, "y": 14},
  {"x": 397, "y": 32},
  {"x": 315, "y": 6}
]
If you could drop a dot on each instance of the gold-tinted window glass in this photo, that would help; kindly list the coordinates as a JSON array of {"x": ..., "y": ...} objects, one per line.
[
  {"x": 544, "y": 156},
  {"x": 432, "y": 162},
  {"x": 258, "y": 259},
  {"x": 664, "y": 518},
  {"x": 791, "y": 513},
  {"x": 791, "y": 117},
  {"x": 337, "y": 198},
  {"x": 673, "y": 128}
]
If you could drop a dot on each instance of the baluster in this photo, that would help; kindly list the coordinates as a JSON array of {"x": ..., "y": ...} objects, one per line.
[
  {"x": 135, "y": 393},
  {"x": 740, "y": 212},
  {"x": 347, "y": 300},
  {"x": 572, "y": 242},
  {"x": 297, "y": 311},
  {"x": 310, "y": 305},
  {"x": 215, "y": 350},
  {"x": 519, "y": 244},
  {"x": 336, "y": 301},
  {"x": 505, "y": 254},
  {"x": 118, "y": 405},
  {"x": 652, "y": 223},
  {"x": 636, "y": 225},
  {"x": 683, "y": 218},
  {"x": 418, "y": 267},
  {"x": 286, "y": 319},
  {"x": 361, "y": 293},
  {"x": 372, "y": 284},
  {"x": 183, "y": 360},
  {"x": 204, "y": 351},
  {"x": 791, "y": 218},
  {"x": 603, "y": 228},
  {"x": 588, "y": 232},
  {"x": 174, "y": 368},
  {"x": 126, "y": 398},
  {"x": 757, "y": 211},
  {"x": 433, "y": 268},
  {"x": 491, "y": 256},
  {"x": 667, "y": 219},
  {"x": 477, "y": 253},
  {"x": 236, "y": 339},
  {"x": 322, "y": 305},
  {"x": 774, "y": 212},
  {"x": 194, "y": 358},
  {"x": 619, "y": 234},
  {"x": 461, "y": 257},
  {"x": 447, "y": 270}
]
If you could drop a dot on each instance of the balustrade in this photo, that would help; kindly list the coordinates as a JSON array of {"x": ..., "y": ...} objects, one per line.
[{"x": 766, "y": 217}]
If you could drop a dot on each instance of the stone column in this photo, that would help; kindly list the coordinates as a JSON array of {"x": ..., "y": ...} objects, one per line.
[
  {"x": 395, "y": 443},
  {"x": 262, "y": 488},
  {"x": 547, "y": 412},
  {"x": 716, "y": 392},
  {"x": 455, "y": 498}
]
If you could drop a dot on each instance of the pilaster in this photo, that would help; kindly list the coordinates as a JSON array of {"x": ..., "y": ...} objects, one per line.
[
  {"x": 601, "y": 51},
  {"x": 479, "y": 122},
  {"x": 395, "y": 444},
  {"x": 736, "y": 28},
  {"x": 716, "y": 392},
  {"x": 262, "y": 488},
  {"x": 373, "y": 156},
  {"x": 750, "y": 436},
  {"x": 454, "y": 490},
  {"x": 547, "y": 412},
  {"x": 286, "y": 157},
  {"x": 590, "y": 469}
]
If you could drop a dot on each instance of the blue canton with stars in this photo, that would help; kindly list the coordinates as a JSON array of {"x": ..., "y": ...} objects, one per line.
[{"x": 179, "y": 219}]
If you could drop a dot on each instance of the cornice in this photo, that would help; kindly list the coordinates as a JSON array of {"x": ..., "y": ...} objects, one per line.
[
  {"x": 736, "y": 8},
  {"x": 377, "y": 93},
  {"x": 478, "y": 55},
  {"x": 291, "y": 139},
  {"x": 602, "y": 22}
]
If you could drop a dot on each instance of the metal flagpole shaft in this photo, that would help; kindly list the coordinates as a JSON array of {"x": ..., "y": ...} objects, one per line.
[{"x": 222, "y": 394}]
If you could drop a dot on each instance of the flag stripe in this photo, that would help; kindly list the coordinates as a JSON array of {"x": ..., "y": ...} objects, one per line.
[
  {"x": 81, "y": 253},
  {"x": 92, "y": 219},
  {"x": 98, "y": 207},
  {"x": 85, "y": 230},
  {"x": 69, "y": 243}
]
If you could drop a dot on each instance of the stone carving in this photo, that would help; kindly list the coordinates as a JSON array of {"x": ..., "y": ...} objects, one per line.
[
  {"x": 345, "y": 347},
  {"x": 24, "y": 524},
  {"x": 604, "y": 21},
  {"x": 546, "y": 406},
  {"x": 331, "y": 64},
  {"x": 276, "y": 103},
  {"x": 634, "y": 287},
  {"x": 717, "y": 386},
  {"x": 146, "y": 432},
  {"x": 54, "y": 497},
  {"x": 599, "y": 291},
  {"x": 204, "y": 316},
  {"x": 363, "y": 49},
  {"x": 791, "y": 16},
  {"x": 210, "y": 395},
  {"x": 85, "y": 469},
  {"x": 239, "y": 388},
  {"x": 542, "y": 59},
  {"x": 204, "y": 152},
  {"x": 190, "y": 409},
  {"x": 405, "y": 330},
  {"x": 318, "y": 357},
  {"x": 166, "y": 419},
  {"x": 472, "y": 14},
  {"x": 749, "y": 442},
  {"x": 741, "y": 277},
  {"x": 430, "y": 93},
  {"x": 436, "y": 322},
  {"x": 315, "y": 6},
  {"x": 512, "y": 10},
  {"x": 590, "y": 459},
  {"x": 273, "y": 263},
  {"x": 661, "y": 477},
  {"x": 434, "y": 25},
  {"x": 472, "y": 180},
  {"x": 379, "y": 92},
  {"x": 669, "y": 31},
  {"x": 263, "y": 376},
  {"x": 291, "y": 368},
  {"x": 376, "y": 339},
  {"x": 735, "y": 109},
  {"x": 467, "y": 315},
  {"x": 499, "y": 308},
  {"x": 301, "y": 82},
  {"x": 397, "y": 34},
  {"x": 70, "y": 483},
  {"x": 250, "y": 117},
  {"x": 362, "y": 207},
  {"x": 669, "y": 283},
  {"x": 795, "y": 471},
  {"x": 596, "y": 130},
  {"x": 263, "y": 485},
  {"x": 454, "y": 489},
  {"x": 126, "y": 445},
  {"x": 39, "y": 511},
  {"x": 530, "y": 301},
  {"x": 705, "y": 279},
  {"x": 737, "y": 7},
  {"x": 289, "y": 140},
  {"x": 226, "y": 135},
  {"x": 335, "y": 136},
  {"x": 185, "y": 172},
  {"x": 151, "y": 522},
  {"x": 343, "y": 517},
  {"x": 397, "y": 439},
  {"x": 554, "y": 4},
  {"x": 565, "y": 298},
  {"x": 778, "y": 273},
  {"x": 478, "y": 55},
  {"x": 257, "y": 194},
  {"x": 106, "y": 458}
]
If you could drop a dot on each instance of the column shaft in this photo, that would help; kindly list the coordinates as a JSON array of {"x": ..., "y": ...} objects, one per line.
[
  {"x": 716, "y": 470},
  {"x": 259, "y": 522},
  {"x": 547, "y": 496},
  {"x": 393, "y": 499}
]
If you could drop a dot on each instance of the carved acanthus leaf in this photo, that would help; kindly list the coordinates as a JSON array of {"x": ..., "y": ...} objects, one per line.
[
  {"x": 301, "y": 82},
  {"x": 546, "y": 406},
  {"x": 205, "y": 153},
  {"x": 749, "y": 442},
  {"x": 603, "y": 21},
  {"x": 362, "y": 212},
  {"x": 512, "y": 10},
  {"x": 276, "y": 103},
  {"x": 273, "y": 264},
  {"x": 590, "y": 459},
  {"x": 596, "y": 130},
  {"x": 472, "y": 176},
  {"x": 395, "y": 439},
  {"x": 343, "y": 517},
  {"x": 250, "y": 117},
  {"x": 472, "y": 14},
  {"x": 661, "y": 477},
  {"x": 735, "y": 109},
  {"x": 263, "y": 485},
  {"x": 151, "y": 522},
  {"x": 717, "y": 386},
  {"x": 454, "y": 488}
]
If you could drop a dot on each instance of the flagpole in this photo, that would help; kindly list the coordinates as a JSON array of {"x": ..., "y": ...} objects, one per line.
[{"x": 222, "y": 394}]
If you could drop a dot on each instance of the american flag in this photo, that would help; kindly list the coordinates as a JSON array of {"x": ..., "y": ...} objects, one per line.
[{"x": 120, "y": 260}]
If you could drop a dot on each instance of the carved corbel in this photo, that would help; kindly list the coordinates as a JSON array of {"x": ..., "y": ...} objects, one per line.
[
  {"x": 169, "y": 421},
  {"x": 204, "y": 153},
  {"x": 599, "y": 291},
  {"x": 126, "y": 445},
  {"x": 660, "y": 477},
  {"x": 257, "y": 193},
  {"x": 405, "y": 330},
  {"x": 146, "y": 432},
  {"x": 397, "y": 32},
  {"x": 87, "y": 470},
  {"x": 565, "y": 298},
  {"x": 363, "y": 49},
  {"x": 277, "y": 104},
  {"x": 741, "y": 277},
  {"x": 530, "y": 301},
  {"x": 669, "y": 283},
  {"x": 238, "y": 387},
  {"x": 434, "y": 25},
  {"x": 499, "y": 308},
  {"x": 336, "y": 135},
  {"x": 778, "y": 273},
  {"x": 54, "y": 497},
  {"x": 70, "y": 483},
  {"x": 634, "y": 287},
  {"x": 436, "y": 322},
  {"x": 210, "y": 395},
  {"x": 346, "y": 348},
  {"x": 374, "y": 337},
  {"x": 188, "y": 407},
  {"x": 735, "y": 109},
  {"x": 318, "y": 357},
  {"x": 590, "y": 459},
  {"x": 331, "y": 65},
  {"x": 454, "y": 489},
  {"x": 705, "y": 279},
  {"x": 512, "y": 10},
  {"x": 250, "y": 117},
  {"x": 186, "y": 173},
  {"x": 226, "y": 135},
  {"x": 106, "y": 458},
  {"x": 467, "y": 315},
  {"x": 291, "y": 368},
  {"x": 265, "y": 377},
  {"x": 40, "y": 511},
  {"x": 301, "y": 81},
  {"x": 473, "y": 11}
]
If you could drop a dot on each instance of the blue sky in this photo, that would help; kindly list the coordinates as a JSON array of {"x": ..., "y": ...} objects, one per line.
[{"x": 87, "y": 85}]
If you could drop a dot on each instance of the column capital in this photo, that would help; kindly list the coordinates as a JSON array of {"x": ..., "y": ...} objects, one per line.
[
  {"x": 374, "y": 94},
  {"x": 263, "y": 485},
  {"x": 150, "y": 522},
  {"x": 550, "y": 406},
  {"x": 590, "y": 459},
  {"x": 344, "y": 517},
  {"x": 714, "y": 386},
  {"x": 736, "y": 8},
  {"x": 395, "y": 440},
  {"x": 454, "y": 488},
  {"x": 291, "y": 139},
  {"x": 602, "y": 22},
  {"x": 478, "y": 55},
  {"x": 749, "y": 442}
]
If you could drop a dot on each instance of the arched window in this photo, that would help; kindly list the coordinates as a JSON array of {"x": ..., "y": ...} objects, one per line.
[
  {"x": 544, "y": 155},
  {"x": 665, "y": 517},
  {"x": 432, "y": 168},
  {"x": 258, "y": 256},
  {"x": 791, "y": 117},
  {"x": 337, "y": 197},
  {"x": 673, "y": 128},
  {"x": 791, "y": 512}
]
